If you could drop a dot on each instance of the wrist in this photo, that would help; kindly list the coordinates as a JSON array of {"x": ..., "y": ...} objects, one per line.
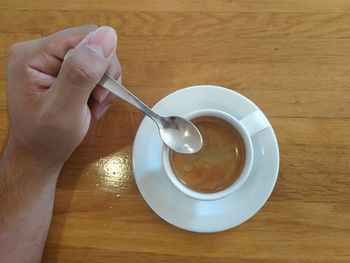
[
  {"x": 23, "y": 180},
  {"x": 23, "y": 161}
]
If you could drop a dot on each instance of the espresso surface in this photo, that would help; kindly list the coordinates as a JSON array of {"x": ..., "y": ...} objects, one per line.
[{"x": 218, "y": 164}]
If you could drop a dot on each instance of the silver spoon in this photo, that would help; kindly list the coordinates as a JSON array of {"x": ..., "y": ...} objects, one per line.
[{"x": 178, "y": 133}]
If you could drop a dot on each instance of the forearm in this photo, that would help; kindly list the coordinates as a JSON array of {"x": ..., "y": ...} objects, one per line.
[
  {"x": 27, "y": 192},
  {"x": 51, "y": 98}
]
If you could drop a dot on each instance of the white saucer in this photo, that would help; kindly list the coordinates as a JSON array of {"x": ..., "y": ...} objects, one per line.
[{"x": 187, "y": 213}]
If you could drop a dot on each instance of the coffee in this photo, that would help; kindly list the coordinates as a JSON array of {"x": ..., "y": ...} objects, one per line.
[{"x": 218, "y": 164}]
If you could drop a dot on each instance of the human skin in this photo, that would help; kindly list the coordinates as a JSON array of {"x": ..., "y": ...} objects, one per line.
[{"x": 51, "y": 101}]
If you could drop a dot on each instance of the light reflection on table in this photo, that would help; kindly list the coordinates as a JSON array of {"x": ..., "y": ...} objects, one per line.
[{"x": 112, "y": 173}]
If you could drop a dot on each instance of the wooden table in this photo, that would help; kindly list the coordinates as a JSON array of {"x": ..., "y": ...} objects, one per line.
[{"x": 292, "y": 58}]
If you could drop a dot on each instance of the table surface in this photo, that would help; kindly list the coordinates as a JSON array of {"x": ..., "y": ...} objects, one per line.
[{"x": 292, "y": 58}]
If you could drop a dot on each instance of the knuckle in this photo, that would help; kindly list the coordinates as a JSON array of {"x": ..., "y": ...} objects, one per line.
[
  {"x": 14, "y": 55},
  {"x": 91, "y": 27},
  {"x": 78, "y": 70},
  {"x": 15, "y": 49},
  {"x": 16, "y": 58},
  {"x": 50, "y": 46}
]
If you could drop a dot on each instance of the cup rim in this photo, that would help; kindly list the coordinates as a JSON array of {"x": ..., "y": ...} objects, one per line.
[{"x": 245, "y": 171}]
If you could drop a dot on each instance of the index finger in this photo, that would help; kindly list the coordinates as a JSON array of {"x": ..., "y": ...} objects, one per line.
[
  {"x": 58, "y": 44},
  {"x": 50, "y": 51}
]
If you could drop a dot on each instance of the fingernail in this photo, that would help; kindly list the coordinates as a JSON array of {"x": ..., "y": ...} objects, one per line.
[
  {"x": 102, "y": 95},
  {"x": 119, "y": 79},
  {"x": 103, "y": 111},
  {"x": 103, "y": 41}
]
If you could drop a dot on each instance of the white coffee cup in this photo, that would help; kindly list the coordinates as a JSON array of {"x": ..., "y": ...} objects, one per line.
[{"x": 248, "y": 126}]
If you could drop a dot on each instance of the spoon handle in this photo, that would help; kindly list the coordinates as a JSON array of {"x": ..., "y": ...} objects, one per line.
[{"x": 109, "y": 83}]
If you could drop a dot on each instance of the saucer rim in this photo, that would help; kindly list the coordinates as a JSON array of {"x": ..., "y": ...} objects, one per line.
[{"x": 275, "y": 168}]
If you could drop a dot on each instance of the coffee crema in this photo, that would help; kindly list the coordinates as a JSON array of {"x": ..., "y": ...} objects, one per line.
[{"x": 220, "y": 161}]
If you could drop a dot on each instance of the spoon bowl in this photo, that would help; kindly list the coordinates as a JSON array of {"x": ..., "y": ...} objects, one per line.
[
  {"x": 177, "y": 133},
  {"x": 180, "y": 135}
]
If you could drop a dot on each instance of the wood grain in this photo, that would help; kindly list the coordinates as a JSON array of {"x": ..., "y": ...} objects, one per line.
[
  {"x": 292, "y": 58},
  {"x": 199, "y": 24},
  {"x": 184, "y": 6}
]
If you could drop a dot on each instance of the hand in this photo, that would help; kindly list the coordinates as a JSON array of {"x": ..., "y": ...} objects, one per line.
[{"x": 50, "y": 100}]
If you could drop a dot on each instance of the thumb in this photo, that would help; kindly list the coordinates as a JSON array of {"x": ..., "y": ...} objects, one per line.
[{"x": 84, "y": 67}]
